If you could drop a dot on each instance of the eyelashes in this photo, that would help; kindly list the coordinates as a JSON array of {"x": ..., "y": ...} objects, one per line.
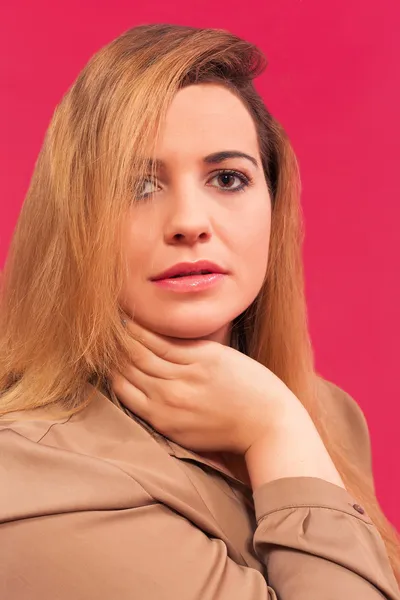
[
  {"x": 244, "y": 180},
  {"x": 227, "y": 174}
]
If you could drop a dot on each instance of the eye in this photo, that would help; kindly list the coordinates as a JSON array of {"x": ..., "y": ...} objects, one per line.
[
  {"x": 148, "y": 187},
  {"x": 228, "y": 181},
  {"x": 231, "y": 181}
]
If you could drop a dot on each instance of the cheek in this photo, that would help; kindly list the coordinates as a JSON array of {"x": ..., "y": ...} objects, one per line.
[
  {"x": 141, "y": 234},
  {"x": 138, "y": 245},
  {"x": 251, "y": 243}
]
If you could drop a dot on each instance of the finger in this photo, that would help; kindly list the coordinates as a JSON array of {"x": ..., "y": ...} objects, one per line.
[
  {"x": 131, "y": 396},
  {"x": 150, "y": 363},
  {"x": 170, "y": 349}
]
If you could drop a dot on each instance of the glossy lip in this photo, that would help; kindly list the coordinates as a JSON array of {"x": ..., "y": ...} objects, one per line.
[
  {"x": 190, "y": 283},
  {"x": 194, "y": 268}
]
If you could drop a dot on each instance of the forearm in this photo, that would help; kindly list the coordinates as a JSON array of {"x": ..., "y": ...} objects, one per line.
[
  {"x": 292, "y": 447},
  {"x": 317, "y": 545},
  {"x": 311, "y": 534}
]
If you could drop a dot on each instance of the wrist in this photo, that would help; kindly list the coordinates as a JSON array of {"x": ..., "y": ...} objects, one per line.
[
  {"x": 264, "y": 421},
  {"x": 291, "y": 447}
]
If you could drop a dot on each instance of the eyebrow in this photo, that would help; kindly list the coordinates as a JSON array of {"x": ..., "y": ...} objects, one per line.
[{"x": 212, "y": 159}]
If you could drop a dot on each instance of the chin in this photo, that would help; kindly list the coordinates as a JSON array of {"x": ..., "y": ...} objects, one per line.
[
  {"x": 204, "y": 322},
  {"x": 192, "y": 320},
  {"x": 191, "y": 330}
]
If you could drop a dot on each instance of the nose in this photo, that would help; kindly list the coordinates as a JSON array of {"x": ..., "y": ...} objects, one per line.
[{"x": 188, "y": 222}]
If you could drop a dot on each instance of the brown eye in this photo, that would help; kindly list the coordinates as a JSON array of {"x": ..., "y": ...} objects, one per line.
[{"x": 231, "y": 181}]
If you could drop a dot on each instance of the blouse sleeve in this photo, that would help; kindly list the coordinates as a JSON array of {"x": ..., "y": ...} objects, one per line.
[{"x": 316, "y": 544}]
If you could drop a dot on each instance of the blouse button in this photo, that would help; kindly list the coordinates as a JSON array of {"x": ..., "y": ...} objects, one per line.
[{"x": 359, "y": 509}]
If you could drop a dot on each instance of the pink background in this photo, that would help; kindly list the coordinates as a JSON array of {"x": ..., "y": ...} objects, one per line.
[{"x": 334, "y": 82}]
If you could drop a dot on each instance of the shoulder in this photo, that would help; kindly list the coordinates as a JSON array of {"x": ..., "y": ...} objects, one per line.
[
  {"x": 98, "y": 459},
  {"x": 345, "y": 422},
  {"x": 87, "y": 461},
  {"x": 46, "y": 469}
]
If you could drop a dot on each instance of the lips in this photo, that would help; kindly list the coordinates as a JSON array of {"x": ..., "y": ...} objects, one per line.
[{"x": 201, "y": 267}]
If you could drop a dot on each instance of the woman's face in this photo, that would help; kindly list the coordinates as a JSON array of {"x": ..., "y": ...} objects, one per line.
[{"x": 201, "y": 207}]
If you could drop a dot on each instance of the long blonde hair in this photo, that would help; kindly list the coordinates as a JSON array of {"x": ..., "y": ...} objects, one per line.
[{"x": 60, "y": 324}]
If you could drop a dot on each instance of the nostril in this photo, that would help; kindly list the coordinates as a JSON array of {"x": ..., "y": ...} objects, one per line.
[{"x": 190, "y": 237}]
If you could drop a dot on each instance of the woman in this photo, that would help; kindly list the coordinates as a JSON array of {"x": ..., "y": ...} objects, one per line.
[{"x": 164, "y": 433}]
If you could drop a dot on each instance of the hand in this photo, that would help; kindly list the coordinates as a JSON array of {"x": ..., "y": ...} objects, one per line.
[{"x": 201, "y": 394}]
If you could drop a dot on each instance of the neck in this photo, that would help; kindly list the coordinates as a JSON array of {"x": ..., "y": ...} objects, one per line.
[{"x": 222, "y": 336}]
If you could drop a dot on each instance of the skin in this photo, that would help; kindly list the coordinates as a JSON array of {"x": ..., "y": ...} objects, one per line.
[
  {"x": 184, "y": 379},
  {"x": 210, "y": 397},
  {"x": 190, "y": 214}
]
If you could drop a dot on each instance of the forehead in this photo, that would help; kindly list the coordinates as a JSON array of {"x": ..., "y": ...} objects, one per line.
[{"x": 206, "y": 118}]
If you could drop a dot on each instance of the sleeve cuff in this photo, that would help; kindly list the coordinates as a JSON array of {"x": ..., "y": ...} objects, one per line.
[{"x": 295, "y": 492}]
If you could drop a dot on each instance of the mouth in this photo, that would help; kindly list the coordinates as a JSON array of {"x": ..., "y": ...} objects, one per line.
[
  {"x": 190, "y": 273},
  {"x": 197, "y": 269},
  {"x": 191, "y": 277}
]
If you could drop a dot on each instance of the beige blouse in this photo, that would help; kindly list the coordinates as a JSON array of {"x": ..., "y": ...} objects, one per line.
[{"x": 98, "y": 506}]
